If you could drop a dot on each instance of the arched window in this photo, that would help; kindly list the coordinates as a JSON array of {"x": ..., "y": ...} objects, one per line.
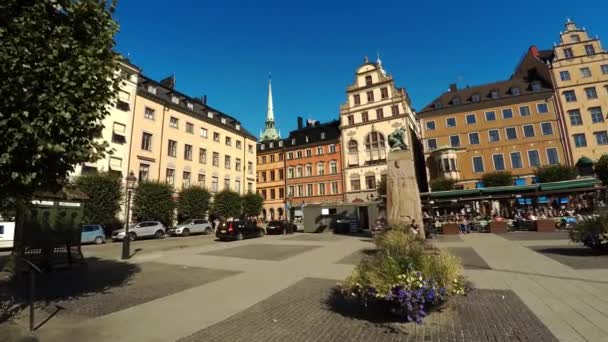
[
  {"x": 333, "y": 167},
  {"x": 264, "y": 213},
  {"x": 299, "y": 171},
  {"x": 290, "y": 173},
  {"x": 320, "y": 169},
  {"x": 375, "y": 146},
  {"x": 280, "y": 212},
  {"x": 353, "y": 153},
  {"x": 308, "y": 169},
  {"x": 271, "y": 213}
]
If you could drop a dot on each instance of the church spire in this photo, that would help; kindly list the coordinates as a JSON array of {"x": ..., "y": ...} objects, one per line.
[
  {"x": 270, "y": 131},
  {"x": 270, "y": 109}
]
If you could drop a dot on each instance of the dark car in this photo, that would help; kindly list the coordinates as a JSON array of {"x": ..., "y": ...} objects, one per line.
[
  {"x": 238, "y": 230},
  {"x": 280, "y": 227}
]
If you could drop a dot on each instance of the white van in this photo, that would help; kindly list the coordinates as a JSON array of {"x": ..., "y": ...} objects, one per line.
[{"x": 7, "y": 234}]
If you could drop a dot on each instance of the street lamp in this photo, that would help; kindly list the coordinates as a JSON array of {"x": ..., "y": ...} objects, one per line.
[{"x": 126, "y": 241}]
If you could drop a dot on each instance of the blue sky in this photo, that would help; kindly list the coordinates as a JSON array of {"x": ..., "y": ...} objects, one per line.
[{"x": 225, "y": 49}]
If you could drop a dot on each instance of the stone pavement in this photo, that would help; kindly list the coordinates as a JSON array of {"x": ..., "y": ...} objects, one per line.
[{"x": 570, "y": 302}]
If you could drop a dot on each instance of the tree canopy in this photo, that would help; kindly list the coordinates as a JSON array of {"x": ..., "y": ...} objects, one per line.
[
  {"x": 555, "y": 173},
  {"x": 442, "y": 184},
  {"x": 193, "y": 202},
  {"x": 497, "y": 178},
  {"x": 252, "y": 204},
  {"x": 105, "y": 193},
  {"x": 601, "y": 168},
  {"x": 227, "y": 203},
  {"x": 153, "y": 201}
]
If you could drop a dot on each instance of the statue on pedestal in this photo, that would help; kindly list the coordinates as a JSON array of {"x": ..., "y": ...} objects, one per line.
[{"x": 397, "y": 140}]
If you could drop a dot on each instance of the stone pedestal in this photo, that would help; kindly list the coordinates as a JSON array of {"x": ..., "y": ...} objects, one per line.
[
  {"x": 499, "y": 227},
  {"x": 403, "y": 198},
  {"x": 450, "y": 229}
]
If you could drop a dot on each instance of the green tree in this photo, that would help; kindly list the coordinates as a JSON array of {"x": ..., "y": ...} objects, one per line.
[
  {"x": 153, "y": 201},
  {"x": 555, "y": 173},
  {"x": 227, "y": 203},
  {"x": 105, "y": 194},
  {"x": 381, "y": 188},
  {"x": 442, "y": 184},
  {"x": 497, "y": 178},
  {"x": 58, "y": 80},
  {"x": 601, "y": 169},
  {"x": 193, "y": 202},
  {"x": 252, "y": 204}
]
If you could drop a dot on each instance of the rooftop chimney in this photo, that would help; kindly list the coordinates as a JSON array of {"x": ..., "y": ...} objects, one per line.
[
  {"x": 533, "y": 50},
  {"x": 300, "y": 122},
  {"x": 204, "y": 99},
  {"x": 453, "y": 87}
]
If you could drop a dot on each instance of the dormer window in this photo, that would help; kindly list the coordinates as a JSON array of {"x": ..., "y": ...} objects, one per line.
[
  {"x": 210, "y": 115},
  {"x": 322, "y": 135},
  {"x": 475, "y": 98},
  {"x": 535, "y": 86},
  {"x": 368, "y": 80},
  {"x": 515, "y": 91},
  {"x": 280, "y": 143},
  {"x": 271, "y": 145},
  {"x": 223, "y": 120},
  {"x": 152, "y": 89},
  {"x": 238, "y": 127},
  {"x": 262, "y": 147},
  {"x": 293, "y": 141},
  {"x": 175, "y": 99},
  {"x": 456, "y": 100},
  {"x": 437, "y": 105},
  {"x": 307, "y": 138},
  {"x": 575, "y": 38},
  {"x": 494, "y": 94},
  {"x": 190, "y": 106}
]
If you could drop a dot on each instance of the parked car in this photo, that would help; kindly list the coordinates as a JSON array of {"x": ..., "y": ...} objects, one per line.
[
  {"x": 92, "y": 233},
  {"x": 238, "y": 230},
  {"x": 192, "y": 226},
  {"x": 143, "y": 229},
  {"x": 280, "y": 227}
]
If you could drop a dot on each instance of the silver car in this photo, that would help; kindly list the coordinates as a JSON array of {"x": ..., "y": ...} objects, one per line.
[
  {"x": 143, "y": 229},
  {"x": 192, "y": 226}
]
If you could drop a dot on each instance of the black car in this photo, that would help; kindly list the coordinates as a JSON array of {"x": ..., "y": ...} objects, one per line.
[
  {"x": 280, "y": 227},
  {"x": 238, "y": 230}
]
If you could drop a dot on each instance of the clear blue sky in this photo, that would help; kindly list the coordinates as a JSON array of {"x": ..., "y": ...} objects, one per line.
[{"x": 225, "y": 49}]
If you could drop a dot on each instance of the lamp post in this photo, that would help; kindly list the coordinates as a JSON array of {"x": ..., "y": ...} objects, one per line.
[{"x": 126, "y": 241}]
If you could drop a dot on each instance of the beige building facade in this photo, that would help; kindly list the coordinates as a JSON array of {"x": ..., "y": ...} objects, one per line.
[
  {"x": 182, "y": 141},
  {"x": 580, "y": 76},
  {"x": 271, "y": 178},
  {"x": 374, "y": 108}
]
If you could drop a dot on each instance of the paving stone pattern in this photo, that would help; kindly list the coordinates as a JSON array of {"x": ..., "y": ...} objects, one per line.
[
  {"x": 576, "y": 256},
  {"x": 470, "y": 258},
  {"x": 324, "y": 237},
  {"x": 301, "y": 313},
  {"x": 262, "y": 251},
  {"x": 529, "y": 236},
  {"x": 446, "y": 238},
  {"x": 102, "y": 287},
  {"x": 355, "y": 258}
]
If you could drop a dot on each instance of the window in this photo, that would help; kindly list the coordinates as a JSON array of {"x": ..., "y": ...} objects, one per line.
[
  {"x": 575, "y": 38},
  {"x": 499, "y": 162},
  {"x": 272, "y": 158},
  {"x": 475, "y": 98},
  {"x": 353, "y": 153},
  {"x": 494, "y": 94},
  {"x": 188, "y": 152},
  {"x": 355, "y": 184},
  {"x": 533, "y": 158},
  {"x": 546, "y": 128},
  {"x": 175, "y": 99},
  {"x": 320, "y": 169},
  {"x": 384, "y": 93},
  {"x": 580, "y": 140},
  {"x": 289, "y": 155},
  {"x": 204, "y": 133},
  {"x": 237, "y": 187},
  {"x": 564, "y": 75},
  {"x": 309, "y": 190},
  {"x": 263, "y": 160},
  {"x": 455, "y": 140},
  {"x": 300, "y": 190},
  {"x": 370, "y": 182},
  {"x": 456, "y": 100},
  {"x": 334, "y": 187},
  {"x": 528, "y": 131},
  {"x": 201, "y": 180},
  {"x": 601, "y": 138},
  {"x": 596, "y": 114},
  {"x": 585, "y": 72},
  {"x": 511, "y": 133},
  {"x": 281, "y": 192},
  {"x": 536, "y": 86},
  {"x": 170, "y": 176},
  {"x": 173, "y": 122},
  {"x": 450, "y": 122},
  {"x": 216, "y": 137},
  {"x": 321, "y": 188},
  {"x": 237, "y": 164},
  {"x": 333, "y": 167},
  {"x": 370, "y": 96},
  {"x": 604, "y": 68},
  {"x": 250, "y": 168},
  {"x": 589, "y": 49},
  {"x": 238, "y": 144},
  {"x": 146, "y": 142},
  {"x": 186, "y": 179},
  {"x": 319, "y": 150},
  {"x": 216, "y": 159},
  {"x": 395, "y": 108},
  {"x": 351, "y": 120},
  {"x": 575, "y": 117},
  {"x": 228, "y": 141},
  {"x": 430, "y": 125},
  {"x": 516, "y": 160},
  {"x": 471, "y": 119},
  {"x": 332, "y": 148},
  {"x": 524, "y": 111},
  {"x": 172, "y": 148},
  {"x": 357, "y": 99},
  {"x": 568, "y": 53},
  {"x": 493, "y": 135},
  {"x": 364, "y": 117},
  {"x": 149, "y": 113},
  {"x": 542, "y": 108},
  {"x": 298, "y": 154},
  {"x": 290, "y": 191},
  {"x": 309, "y": 170},
  {"x": 570, "y": 96},
  {"x": 552, "y": 157},
  {"x": 474, "y": 138},
  {"x": 431, "y": 144},
  {"x": 280, "y": 156},
  {"x": 478, "y": 164},
  {"x": 227, "y": 162},
  {"x": 119, "y": 132},
  {"x": 250, "y": 187},
  {"x": 308, "y": 152},
  {"x": 591, "y": 93},
  {"x": 299, "y": 171},
  {"x": 375, "y": 146},
  {"x": 515, "y": 91},
  {"x": 379, "y": 114},
  {"x": 490, "y": 116},
  {"x": 322, "y": 136},
  {"x": 368, "y": 80},
  {"x": 281, "y": 175},
  {"x": 507, "y": 113},
  {"x": 250, "y": 148},
  {"x": 144, "y": 172},
  {"x": 189, "y": 128},
  {"x": 227, "y": 184},
  {"x": 290, "y": 172},
  {"x": 214, "y": 184}
]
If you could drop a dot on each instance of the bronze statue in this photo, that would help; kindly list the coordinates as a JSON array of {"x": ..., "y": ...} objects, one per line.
[{"x": 397, "y": 140}]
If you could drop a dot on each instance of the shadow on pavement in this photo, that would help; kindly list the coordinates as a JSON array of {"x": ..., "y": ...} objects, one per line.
[
  {"x": 352, "y": 308},
  {"x": 571, "y": 251}
]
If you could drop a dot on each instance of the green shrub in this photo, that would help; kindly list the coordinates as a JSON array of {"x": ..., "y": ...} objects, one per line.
[
  {"x": 193, "y": 202},
  {"x": 592, "y": 232},
  {"x": 601, "y": 169},
  {"x": 227, "y": 203},
  {"x": 442, "y": 184},
  {"x": 252, "y": 204},
  {"x": 153, "y": 201},
  {"x": 445, "y": 269},
  {"x": 497, "y": 178},
  {"x": 105, "y": 194},
  {"x": 555, "y": 173}
]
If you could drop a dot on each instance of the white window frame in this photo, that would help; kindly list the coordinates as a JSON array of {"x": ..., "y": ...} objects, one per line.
[
  {"x": 483, "y": 164},
  {"x": 540, "y": 161},
  {"x": 478, "y": 139},
  {"x": 485, "y": 115},
  {"x": 426, "y": 125},
  {"x": 503, "y": 161},
  {"x": 507, "y": 135},
  {"x": 489, "y": 139},
  {"x": 538, "y": 109},
  {"x": 556, "y": 154},
  {"x": 502, "y": 113},
  {"x": 520, "y": 160},
  {"x": 459, "y": 142},
  {"x": 543, "y": 132},
  {"x": 466, "y": 119},
  {"x": 455, "y": 122},
  {"x": 523, "y": 129}
]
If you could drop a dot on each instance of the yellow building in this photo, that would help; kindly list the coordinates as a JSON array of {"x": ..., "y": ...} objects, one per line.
[
  {"x": 271, "y": 178},
  {"x": 509, "y": 125},
  {"x": 580, "y": 76},
  {"x": 183, "y": 141}
]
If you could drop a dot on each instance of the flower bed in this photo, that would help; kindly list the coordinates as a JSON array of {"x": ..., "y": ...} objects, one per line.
[
  {"x": 406, "y": 277},
  {"x": 592, "y": 232}
]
